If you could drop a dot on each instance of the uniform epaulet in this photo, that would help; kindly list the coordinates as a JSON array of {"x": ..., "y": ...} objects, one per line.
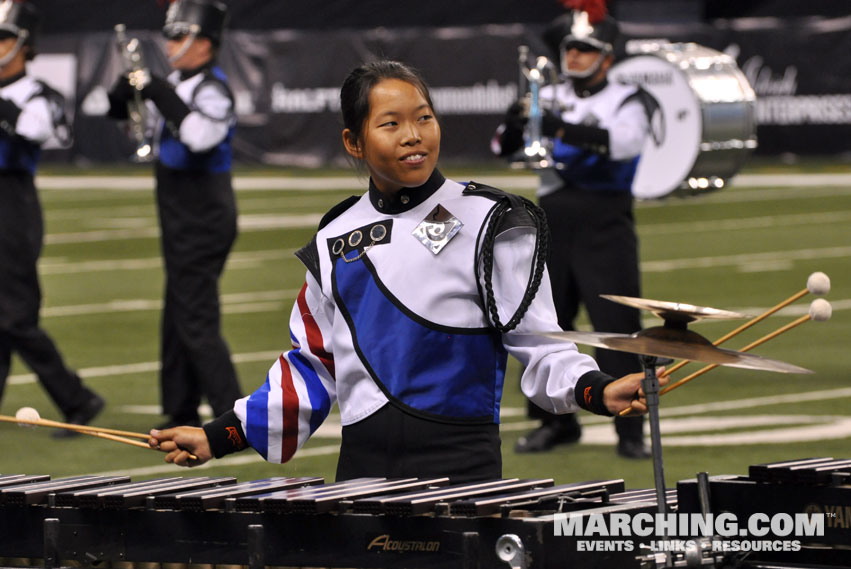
[
  {"x": 309, "y": 254},
  {"x": 56, "y": 101},
  {"x": 338, "y": 209},
  {"x": 478, "y": 189},
  {"x": 516, "y": 216}
]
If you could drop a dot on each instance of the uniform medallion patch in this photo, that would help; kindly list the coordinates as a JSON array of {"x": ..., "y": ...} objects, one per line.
[{"x": 437, "y": 229}]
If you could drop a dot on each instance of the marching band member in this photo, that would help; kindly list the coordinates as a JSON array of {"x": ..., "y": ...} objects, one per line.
[
  {"x": 598, "y": 129},
  {"x": 30, "y": 114},
  {"x": 196, "y": 205},
  {"x": 415, "y": 294}
]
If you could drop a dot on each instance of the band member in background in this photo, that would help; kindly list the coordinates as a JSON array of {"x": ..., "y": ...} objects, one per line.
[
  {"x": 398, "y": 326},
  {"x": 598, "y": 132},
  {"x": 196, "y": 205},
  {"x": 30, "y": 114}
]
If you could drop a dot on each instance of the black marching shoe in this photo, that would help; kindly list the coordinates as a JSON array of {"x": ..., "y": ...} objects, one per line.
[
  {"x": 635, "y": 449},
  {"x": 549, "y": 435},
  {"x": 81, "y": 416}
]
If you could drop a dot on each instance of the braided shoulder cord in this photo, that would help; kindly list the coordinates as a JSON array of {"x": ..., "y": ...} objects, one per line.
[{"x": 542, "y": 234}]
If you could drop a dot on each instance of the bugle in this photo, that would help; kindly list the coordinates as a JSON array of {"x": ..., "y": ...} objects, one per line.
[
  {"x": 138, "y": 75},
  {"x": 537, "y": 149}
]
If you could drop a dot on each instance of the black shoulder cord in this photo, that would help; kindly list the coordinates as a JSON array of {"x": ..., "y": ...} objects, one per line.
[{"x": 542, "y": 238}]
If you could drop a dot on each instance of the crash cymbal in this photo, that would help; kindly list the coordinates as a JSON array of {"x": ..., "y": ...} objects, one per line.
[
  {"x": 674, "y": 343},
  {"x": 674, "y": 311}
]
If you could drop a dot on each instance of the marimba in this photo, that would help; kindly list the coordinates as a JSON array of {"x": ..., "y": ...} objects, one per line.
[{"x": 374, "y": 522}]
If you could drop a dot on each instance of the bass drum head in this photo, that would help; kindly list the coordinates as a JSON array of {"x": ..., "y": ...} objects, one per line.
[{"x": 674, "y": 141}]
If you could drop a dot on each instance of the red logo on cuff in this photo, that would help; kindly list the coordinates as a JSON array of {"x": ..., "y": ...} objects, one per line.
[
  {"x": 586, "y": 394},
  {"x": 234, "y": 438}
]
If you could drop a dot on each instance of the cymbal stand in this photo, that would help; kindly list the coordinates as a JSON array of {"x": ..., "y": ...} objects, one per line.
[{"x": 650, "y": 385}]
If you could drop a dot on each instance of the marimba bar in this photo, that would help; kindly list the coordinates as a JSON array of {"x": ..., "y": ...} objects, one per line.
[{"x": 376, "y": 522}]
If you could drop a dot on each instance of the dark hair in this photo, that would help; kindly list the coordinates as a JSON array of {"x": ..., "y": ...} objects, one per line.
[{"x": 354, "y": 95}]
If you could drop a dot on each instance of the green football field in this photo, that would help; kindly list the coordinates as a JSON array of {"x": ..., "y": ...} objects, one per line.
[{"x": 745, "y": 248}]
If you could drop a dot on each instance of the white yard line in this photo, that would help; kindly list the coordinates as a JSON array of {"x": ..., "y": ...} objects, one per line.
[
  {"x": 760, "y": 222},
  {"x": 231, "y": 304},
  {"x": 598, "y": 430},
  {"x": 748, "y": 262},
  {"x": 298, "y": 183},
  {"x": 140, "y": 367},
  {"x": 780, "y": 258},
  {"x": 58, "y": 265},
  {"x": 246, "y": 223},
  {"x": 146, "y": 228}
]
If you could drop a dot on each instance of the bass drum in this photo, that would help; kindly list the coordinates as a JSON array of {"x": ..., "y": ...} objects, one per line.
[{"x": 703, "y": 126}]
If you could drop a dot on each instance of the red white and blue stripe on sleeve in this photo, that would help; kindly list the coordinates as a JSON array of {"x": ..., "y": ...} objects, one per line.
[{"x": 298, "y": 392}]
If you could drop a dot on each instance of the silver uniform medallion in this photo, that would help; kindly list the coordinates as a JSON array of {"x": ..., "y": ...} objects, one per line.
[{"x": 437, "y": 229}]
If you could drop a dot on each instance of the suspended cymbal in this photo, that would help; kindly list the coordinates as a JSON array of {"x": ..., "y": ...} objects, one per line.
[
  {"x": 677, "y": 344},
  {"x": 674, "y": 311}
]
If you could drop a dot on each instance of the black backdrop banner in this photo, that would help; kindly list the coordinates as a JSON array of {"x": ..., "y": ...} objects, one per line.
[{"x": 286, "y": 83}]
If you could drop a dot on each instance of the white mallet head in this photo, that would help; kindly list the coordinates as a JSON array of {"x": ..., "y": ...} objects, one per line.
[
  {"x": 27, "y": 414},
  {"x": 818, "y": 283},
  {"x": 820, "y": 310}
]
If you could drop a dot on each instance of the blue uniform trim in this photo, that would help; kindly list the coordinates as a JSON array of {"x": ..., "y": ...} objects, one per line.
[
  {"x": 320, "y": 402},
  {"x": 591, "y": 171},
  {"x": 441, "y": 372},
  {"x": 18, "y": 154},
  {"x": 174, "y": 154},
  {"x": 177, "y": 156},
  {"x": 257, "y": 419}
]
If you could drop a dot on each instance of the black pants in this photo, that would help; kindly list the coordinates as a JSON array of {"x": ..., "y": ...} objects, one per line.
[
  {"x": 198, "y": 218},
  {"x": 394, "y": 444},
  {"x": 21, "y": 238},
  {"x": 594, "y": 251}
]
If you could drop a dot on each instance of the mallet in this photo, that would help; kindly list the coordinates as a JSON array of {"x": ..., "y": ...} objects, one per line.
[
  {"x": 818, "y": 283},
  {"x": 820, "y": 310},
  {"x": 29, "y": 417}
]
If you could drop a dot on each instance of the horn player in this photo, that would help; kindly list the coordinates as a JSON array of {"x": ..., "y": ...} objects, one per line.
[
  {"x": 596, "y": 130},
  {"x": 31, "y": 114},
  {"x": 196, "y": 205}
]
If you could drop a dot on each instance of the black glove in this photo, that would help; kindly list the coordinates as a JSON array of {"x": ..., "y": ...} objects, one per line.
[
  {"x": 163, "y": 95},
  {"x": 550, "y": 123},
  {"x": 514, "y": 119},
  {"x": 9, "y": 112},
  {"x": 121, "y": 90},
  {"x": 119, "y": 95}
]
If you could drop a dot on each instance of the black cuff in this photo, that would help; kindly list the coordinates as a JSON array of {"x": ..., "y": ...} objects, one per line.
[
  {"x": 225, "y": 435},
  {"x": 117, "y": 108},
  {"x": 589, "y": 392},
  {"x": 592, "y": 138},
  {"x": 551, "y": 123},
  {"x": 510, "y": 140},
  {"x": 9, "y": 113},
  {"x": 167, "y": 100}
]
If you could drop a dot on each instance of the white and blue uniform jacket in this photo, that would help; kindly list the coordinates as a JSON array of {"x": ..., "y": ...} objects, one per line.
[
  {"x": 202, "y": 142},
  {"x": 41, "y": 117},
  {"x": 616, "y": 108},
  {"x": 382, "y": 319}
]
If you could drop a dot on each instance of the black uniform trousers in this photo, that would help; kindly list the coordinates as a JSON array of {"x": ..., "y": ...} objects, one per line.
[
  {"x": 197, "y": 212},
  {"x": 21, "y": 238},
  {"x": 594, "y": 251},
  {"x": 395, "y": 443}
]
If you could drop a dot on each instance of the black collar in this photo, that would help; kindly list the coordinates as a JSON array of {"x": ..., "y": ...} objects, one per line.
[
  {"x": 406, "y": 198},
  {"x": 12, "y": 79},
  {"x": 189, "y": 73},
  {"x": 582, "y": 91}
]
